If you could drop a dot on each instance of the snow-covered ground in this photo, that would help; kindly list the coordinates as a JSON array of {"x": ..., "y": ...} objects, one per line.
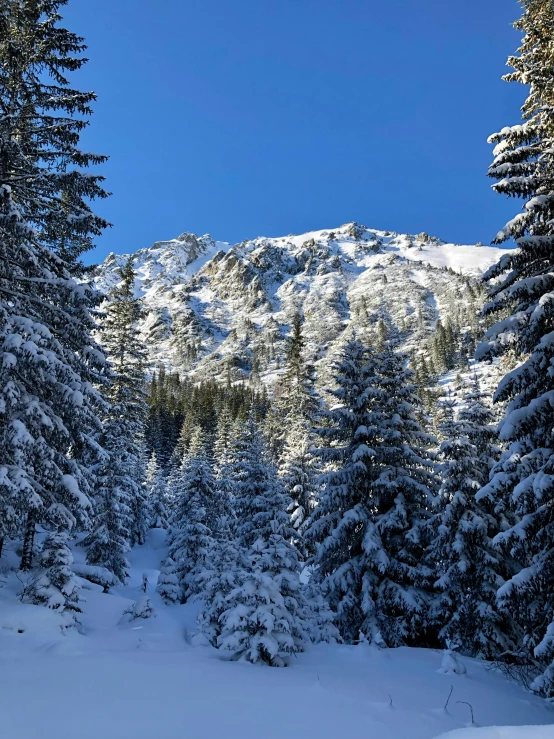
[
  {"x": 147, "y": 679},
  {"x": 503, "y": 732}
]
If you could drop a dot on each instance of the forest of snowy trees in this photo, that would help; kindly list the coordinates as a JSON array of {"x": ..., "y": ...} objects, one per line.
[{"x": 377, "y": 510}]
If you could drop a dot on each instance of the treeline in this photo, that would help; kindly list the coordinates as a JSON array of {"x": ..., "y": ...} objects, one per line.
[
  {"x": 177, "y": 405},
  {"x": 399, "y": 545}
]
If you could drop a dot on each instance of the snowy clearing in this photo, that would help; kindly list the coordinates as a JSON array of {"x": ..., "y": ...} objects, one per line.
[{"x": 146, "y": 678}]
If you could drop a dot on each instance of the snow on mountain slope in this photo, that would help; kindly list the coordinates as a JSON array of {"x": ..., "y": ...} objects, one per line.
[
  {"x": 502, "y": 732},
  {"x": 217, "y": 310},
  {"x": 147, "y": 678},
  {"x": 164, "y": 263}
]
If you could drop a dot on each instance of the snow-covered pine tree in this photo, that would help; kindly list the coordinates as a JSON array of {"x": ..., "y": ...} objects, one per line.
[
  {"x": 467, "y": 568},
  {"x": 299, "y": 471},
  {"x": 264, "y": 619},
  {"x": 127, "y": 355},
  {"x": 223, "y": 437},
  {"x": 523, "y": 283},
  {"x": 156, "y": 486},
  {"x": 295, "y": 395},
  {"x": 482, "y": 423},
  {"x": 216, "y": 580},
  {"x": 108, "y": 541},
  {"x": 259, "y": 498},
  {"x": 367, "y": 526},
  {"x": 140, "y": 511},
  {"x": 331, "y": 533},
  {"x": 296, "y": 408},
  {"x": 51, "y": 366},
  {"x": 222, "y": 460},
  {"x": 194, "y": 515},
  {"x": 56, "y": 586},
  {"x": 168, "y": 582},
  {"x": 121, "y": 518}
]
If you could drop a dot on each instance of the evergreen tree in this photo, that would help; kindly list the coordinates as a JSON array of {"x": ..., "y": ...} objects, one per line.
[
  {"x": 299, "y": 471},
  {"x": 217, "y": 579},
  {"x": 49, "y": 406},
  {"x": 296, "y": 402},
  {"x": 367, "y": 526},
  {"x": 56, "y": 586},
  {"x": 168, "y": 582},
  {"x": 295, "y": 411},
  {"x": 469, "y": 570},
  {"x": 121, "y": 516},
  {"x": 127, "y": 356},
  {"x": 523, "y": 283},
  {"x": 193, "y": 516},
  {"x": 223, "y": 438},
  {"x": 156, "y": 491},
  {"x": 259, "y": 499},
  {"x": 108, "y": 542},
  {"x": 222, "y": 458},
  {"x": 264, "y": 616}
]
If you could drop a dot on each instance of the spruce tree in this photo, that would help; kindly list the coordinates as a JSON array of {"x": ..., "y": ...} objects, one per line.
[
  {"x": 296, "y": 401},
  {"x": 264, "y": 614},
  {"x": 259, "y": 497},
  {"x": 295, "y": 411},
  {"x": 156, "y": 491},
  {"x": 216, "y": 580},
  {"x": 55, "y": 586},
  {"x": 368, "y": 524},
  {"x": 121, "y": 517},
  {"x": 168, "y": 582},
  {"x": 467, "y": 567},
  {"x": 193, "y": 516},
  {"x": 522, "y": 284},
  {"x": 49, "y": 404},
  {"x": 108, "y": 541},
  {"x": 223, "y": 438},
  {"x": 127, "y": 394},
  {"x": 222, "y": 461},
  {"x": 299, "y": 471}
]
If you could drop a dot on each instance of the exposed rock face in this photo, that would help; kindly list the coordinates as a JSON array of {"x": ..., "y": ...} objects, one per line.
[{"x": 216, "y": 310}]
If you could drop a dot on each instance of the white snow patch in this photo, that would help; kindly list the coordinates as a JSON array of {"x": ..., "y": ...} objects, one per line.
[{"x": 150, "y": 680}]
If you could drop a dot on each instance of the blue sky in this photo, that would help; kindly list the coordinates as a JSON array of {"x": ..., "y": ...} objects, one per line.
[{"x": 269, "y": 117}]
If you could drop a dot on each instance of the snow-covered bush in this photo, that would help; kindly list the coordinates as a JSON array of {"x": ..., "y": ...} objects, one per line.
[
  {"x": 97, "y": 575},
  {"x": 141, "y": 608},
  {"x": 168, "y": 582},
  {"x": 56, "y": 586},
  {"x": 451, "y": 663}
]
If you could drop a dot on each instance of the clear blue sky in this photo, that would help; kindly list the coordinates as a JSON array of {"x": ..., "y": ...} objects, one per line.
[{"x": 269, "y": 117}]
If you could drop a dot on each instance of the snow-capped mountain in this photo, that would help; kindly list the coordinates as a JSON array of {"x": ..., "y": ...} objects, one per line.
[{"x": 216, "y": 310}]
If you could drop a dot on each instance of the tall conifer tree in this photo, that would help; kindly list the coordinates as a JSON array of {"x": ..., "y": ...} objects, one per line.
[
  {"x": 467, "y": 567},
  {"x": 368, "y": 524},
  {"x": 296, "y": 410},
  {"x": 523, "y": 285},
  {"x": 121, "y": 516},
  {"x": 258, "y": 493},
  {"x": 156, "y": 490},
  {"x": 194, "y": 515},
  {"x": 48, "y": 402}
]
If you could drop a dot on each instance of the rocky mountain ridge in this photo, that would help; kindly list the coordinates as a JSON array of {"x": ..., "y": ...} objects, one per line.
[{"x": 213, "y": 310}]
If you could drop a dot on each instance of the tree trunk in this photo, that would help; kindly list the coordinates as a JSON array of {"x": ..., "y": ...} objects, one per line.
[{"x": 28, "y": 542}]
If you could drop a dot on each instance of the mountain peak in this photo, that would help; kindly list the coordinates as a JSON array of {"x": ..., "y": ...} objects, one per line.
[{"x": 216, "y": 310}]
